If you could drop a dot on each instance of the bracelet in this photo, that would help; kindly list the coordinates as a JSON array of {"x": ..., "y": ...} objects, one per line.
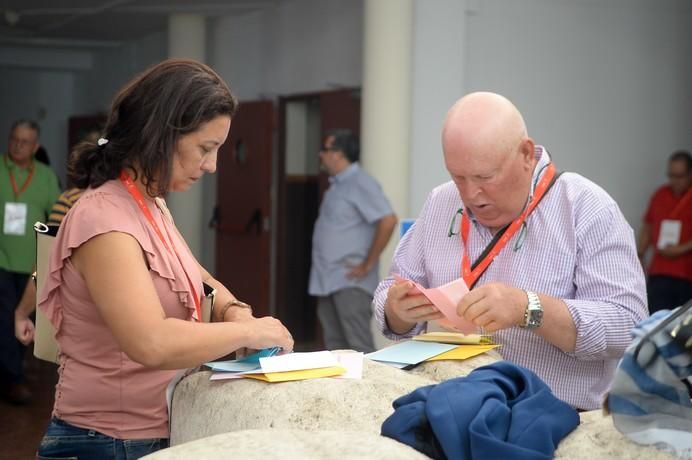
[{"x": 233, "y": 303}]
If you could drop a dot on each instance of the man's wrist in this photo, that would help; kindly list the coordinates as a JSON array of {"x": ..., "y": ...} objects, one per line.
[{"x": 533, "y": 314}]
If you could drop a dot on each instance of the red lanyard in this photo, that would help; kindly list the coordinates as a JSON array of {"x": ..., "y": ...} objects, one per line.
[
  {"x": 471, "y": 276},
  {"x": 134, "y": 191},
  {"x": 26, "y": 183},
  {"x": 681, "y": 204}
]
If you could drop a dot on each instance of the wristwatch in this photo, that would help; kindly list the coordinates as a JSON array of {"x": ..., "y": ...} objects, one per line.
[{"x": 533, "y": 315}]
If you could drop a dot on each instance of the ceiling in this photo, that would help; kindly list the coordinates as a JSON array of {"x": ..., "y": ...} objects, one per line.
[{"x": 102, "y": 22}]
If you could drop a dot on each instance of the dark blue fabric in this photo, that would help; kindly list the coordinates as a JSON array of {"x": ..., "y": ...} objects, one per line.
[{"x": 497, "y": 411}]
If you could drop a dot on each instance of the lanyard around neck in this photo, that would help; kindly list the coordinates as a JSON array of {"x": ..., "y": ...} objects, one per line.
[
  {"x": 26, "y": 183},
  {"x": 681, "y": 204},
  {"x": 134, "y": 191},
  {"x": 471, "y": 275}
]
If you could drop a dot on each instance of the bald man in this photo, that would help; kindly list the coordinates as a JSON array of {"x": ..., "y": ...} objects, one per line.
[{"x": 550, "y": 259}]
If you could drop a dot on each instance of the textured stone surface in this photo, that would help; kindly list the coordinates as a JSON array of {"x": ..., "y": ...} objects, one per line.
[
  {"x": 596, "y": 437},
  {"x": 203, "y": 408},
  {"x": 291, "y": 444},
  {"x": 338, "y": 418}
]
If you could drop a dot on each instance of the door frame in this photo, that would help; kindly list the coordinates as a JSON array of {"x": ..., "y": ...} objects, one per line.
[{"x": 282, "y": 309}]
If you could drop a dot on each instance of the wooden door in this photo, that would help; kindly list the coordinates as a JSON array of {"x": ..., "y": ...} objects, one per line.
[
  {"x": 243, "y": 213},
  {"x": 299, "y": 199}
]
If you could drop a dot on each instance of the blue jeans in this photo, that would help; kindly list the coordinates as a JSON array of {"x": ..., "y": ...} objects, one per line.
[{"x": 64, "y": 441}]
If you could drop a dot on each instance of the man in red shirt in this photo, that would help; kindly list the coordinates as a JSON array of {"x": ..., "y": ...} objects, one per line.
[{"x": 667, "y": 228}]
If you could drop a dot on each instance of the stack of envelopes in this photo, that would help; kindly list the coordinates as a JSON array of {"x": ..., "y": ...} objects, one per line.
[
  {"x": 432, "y": 346},
  {"x": 269, "y": 366}
]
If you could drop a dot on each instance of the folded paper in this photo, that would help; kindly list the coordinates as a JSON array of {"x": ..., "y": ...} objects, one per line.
[
  {"x": 303, "y": 374},
  {"x": 449, "y": 337},
  {"x": 409, "y": 352},
  {"x": 463, "y": 352},
  {"x": 446, "y": 298}
]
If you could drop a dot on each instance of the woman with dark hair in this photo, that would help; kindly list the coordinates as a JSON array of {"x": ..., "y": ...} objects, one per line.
[{"x": 123, "y": 289}]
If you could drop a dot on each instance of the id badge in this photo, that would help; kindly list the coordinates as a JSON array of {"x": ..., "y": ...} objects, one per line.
[
  {"x": 15, "y": 219},
  {"x": 669, "y": 234}
]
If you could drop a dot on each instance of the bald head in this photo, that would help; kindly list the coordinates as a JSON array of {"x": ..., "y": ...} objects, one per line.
[
  {"x": 483, "y": 122},
  {"x": 489, "y": 155}
]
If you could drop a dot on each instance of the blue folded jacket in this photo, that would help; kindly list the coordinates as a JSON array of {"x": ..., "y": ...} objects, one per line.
[{"x": 500, "y": 411}]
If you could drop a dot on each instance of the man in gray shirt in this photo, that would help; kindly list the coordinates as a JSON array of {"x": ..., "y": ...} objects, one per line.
[{"x": 354, "y": 225}]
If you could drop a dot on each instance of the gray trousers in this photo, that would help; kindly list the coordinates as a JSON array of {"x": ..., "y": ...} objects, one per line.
[{"x": 345, "y": 316}]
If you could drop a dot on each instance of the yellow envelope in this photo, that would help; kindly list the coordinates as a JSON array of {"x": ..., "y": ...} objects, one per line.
[
  {"x": 449, "y": 337},
  {"x": 463, "y": 352},
  {"x": 303, "y": 374}
]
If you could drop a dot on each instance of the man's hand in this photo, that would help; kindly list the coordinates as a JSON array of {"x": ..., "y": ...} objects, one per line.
[
  {"x": 405, "y": 307},
  {"x": 23, "y": 328},
  {"x": 359, "y": 271},
  {"x": 494, "y": 306}
]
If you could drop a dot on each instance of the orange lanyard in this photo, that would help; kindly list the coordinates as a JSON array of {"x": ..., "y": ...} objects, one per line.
[
  {"x": 681, "y": 204},
  {"x": 130, "y": 186},
  {"x": 471, "y": 275},
  {"x": 26, "y": 183}
]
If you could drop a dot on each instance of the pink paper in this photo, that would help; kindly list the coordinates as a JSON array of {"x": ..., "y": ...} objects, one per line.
[{"x": 446, "y": 298}]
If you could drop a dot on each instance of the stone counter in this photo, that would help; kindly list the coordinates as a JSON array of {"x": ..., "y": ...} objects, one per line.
[
  {"x": 291, "y": 444},
  {"x": 257, "y": 420},
  {"x": 204, "y": 408}
]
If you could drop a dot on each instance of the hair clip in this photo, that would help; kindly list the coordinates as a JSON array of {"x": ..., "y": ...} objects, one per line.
[{"x": 102, "y": 141}]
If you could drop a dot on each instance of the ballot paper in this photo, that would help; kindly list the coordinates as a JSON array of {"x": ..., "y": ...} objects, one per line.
[
  {"x": 298, "y": 361},
  {"x": 248, "y": 363},
  {"x": 463, "y": 352},
  {"x": 446, "y": 298},
  {"x": 409, "y": 352},
  {"x": 296, "y": 366},
  {"x": 450, "y": 337}
]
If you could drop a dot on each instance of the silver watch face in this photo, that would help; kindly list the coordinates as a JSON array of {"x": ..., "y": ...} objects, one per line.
[
  {"x": 534, "y": 311},
  {"x": 535, "y": 318}
]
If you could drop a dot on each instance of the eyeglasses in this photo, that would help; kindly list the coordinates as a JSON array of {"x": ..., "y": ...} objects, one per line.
[
  {"x": 452, "y": 224},
  {"x": 678, "y": 176},
  {"x": 329, "y": 149},
  {"x": 460, "y": 212}
]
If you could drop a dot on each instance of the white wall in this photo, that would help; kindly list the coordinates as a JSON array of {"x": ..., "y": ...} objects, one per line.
[
  {"x": 51, "y": 84},
  {"x": 294, "y": 47},
  {"x": 114, "y": 67},
  {"x": 603, "y": 84},
  {"x": 438, "y": 81},
  {"x": 42, "y": 95}
]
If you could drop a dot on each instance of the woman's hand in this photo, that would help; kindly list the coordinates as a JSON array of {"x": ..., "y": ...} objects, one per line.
[{"x": 268, "y": 332}]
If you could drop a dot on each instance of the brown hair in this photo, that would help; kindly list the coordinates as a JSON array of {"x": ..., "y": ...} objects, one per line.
[{"x": 147, "y": 117}]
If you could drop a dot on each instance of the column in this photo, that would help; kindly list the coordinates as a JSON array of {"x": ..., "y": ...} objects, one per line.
[
  {"x": 187, "y": 39},
  {"x": 386, "y": 103}
]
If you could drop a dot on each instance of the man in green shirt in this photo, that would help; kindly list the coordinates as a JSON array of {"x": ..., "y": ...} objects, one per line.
[{"x": 28, "y": 190}]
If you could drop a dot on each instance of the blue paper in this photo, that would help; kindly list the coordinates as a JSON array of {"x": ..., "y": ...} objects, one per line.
[
  {"x": 410, "y": 352},
  {"x": 248, "y": 363},
  {"x": 265, "y": 353}
]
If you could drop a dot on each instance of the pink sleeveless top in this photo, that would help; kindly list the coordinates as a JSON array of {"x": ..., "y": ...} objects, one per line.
[{"x": 100, "y": 387}]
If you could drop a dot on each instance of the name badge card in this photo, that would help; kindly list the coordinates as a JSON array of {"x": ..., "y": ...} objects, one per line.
[
  {"x": 15, "y": 219},
  {"x": 669, "y": 234}
]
